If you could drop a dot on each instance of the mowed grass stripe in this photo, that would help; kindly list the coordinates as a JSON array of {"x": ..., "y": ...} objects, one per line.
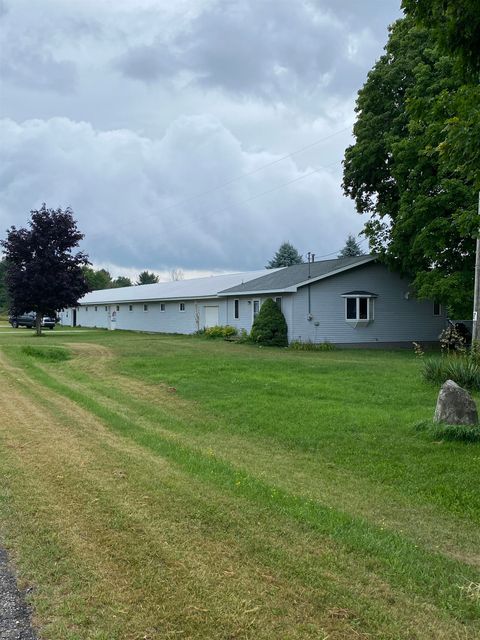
[
  {"x": 433, "y": 577},
  {"x": 88, "y": 507},
  {"x": 152, "y": 405}
]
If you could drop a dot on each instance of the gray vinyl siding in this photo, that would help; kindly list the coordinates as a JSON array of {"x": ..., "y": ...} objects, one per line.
[{"x": 396, "y": 319}]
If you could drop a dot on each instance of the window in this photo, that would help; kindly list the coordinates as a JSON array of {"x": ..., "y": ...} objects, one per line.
[
  {"x": 437, "y": 309},
  {"x": 130, "y": 307},
  {"x": 162, "y": 306},
  {"x": 86, "y": 308},
  {"x": 145, "y": 307},
  {"x": 181, "y": 306},
  {"x": 279, "y": 302},
  {"x": 236, "y": 309},
  {"x": 96, "y": 309},
  {"x": 106, "y": 308},
  {"x": 255, "y": 308},
  {"x": 359, "y": 307},
  {"x": 118, "y": 307}
]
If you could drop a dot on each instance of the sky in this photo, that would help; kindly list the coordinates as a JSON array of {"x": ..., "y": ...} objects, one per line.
[{"x": 194, "y": 134}]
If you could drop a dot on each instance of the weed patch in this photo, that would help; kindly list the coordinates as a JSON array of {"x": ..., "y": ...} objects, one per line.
[{"x": 47, "y": 354}]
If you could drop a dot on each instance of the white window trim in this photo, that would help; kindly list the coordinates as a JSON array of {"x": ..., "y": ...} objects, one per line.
[
  {"x": 253, "y": 307},
  {"x": 145, "y": 308},
  {"x": 162, "y": 304},
  {"x": 180, "y": 307},
  {"x": 236, "y": 303},
  {"x": 130, "y": 308},
  {"x": 281, "y": 301},
  {"x": 357, "y": 321}
]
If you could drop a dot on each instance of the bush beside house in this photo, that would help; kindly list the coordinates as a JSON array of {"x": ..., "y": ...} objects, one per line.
[{"x": 270, "y": 327}]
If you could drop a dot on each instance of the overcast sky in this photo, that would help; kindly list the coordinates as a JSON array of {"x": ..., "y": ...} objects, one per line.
[{"x": 165, "y": 124}]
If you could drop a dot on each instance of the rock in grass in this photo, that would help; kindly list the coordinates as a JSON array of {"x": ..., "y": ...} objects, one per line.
[{"x": 455, "y": 405}]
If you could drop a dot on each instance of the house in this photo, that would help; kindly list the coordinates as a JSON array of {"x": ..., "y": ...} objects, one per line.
[{"x": 347, "y": 301}]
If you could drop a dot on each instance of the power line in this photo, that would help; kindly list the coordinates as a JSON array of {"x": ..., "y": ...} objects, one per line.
[
  {"x": 254, "y": 197},
  {"x": 244, "y": 175},
  {"x": 326, "y": 255}
]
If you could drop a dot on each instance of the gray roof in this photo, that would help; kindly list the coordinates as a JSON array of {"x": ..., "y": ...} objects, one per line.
[{"x": 289, "y": 279}]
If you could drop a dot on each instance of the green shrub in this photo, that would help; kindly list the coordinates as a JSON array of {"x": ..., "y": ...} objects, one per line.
[
  {"x": 270, "y": 328},
  {"x": 244, "y": 337},
  {"x": 220, "y": 332},
  {"x": 458, "y": 432},
  {"x": 297, "y": 345},
  {"x": 50, "y": 354},
  {"x": 461, "y": 369}
]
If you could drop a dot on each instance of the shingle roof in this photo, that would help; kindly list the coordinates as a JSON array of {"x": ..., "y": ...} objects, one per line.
[
  {"x": 177, "y": 290},
  {"x": 289, "y": 278}
]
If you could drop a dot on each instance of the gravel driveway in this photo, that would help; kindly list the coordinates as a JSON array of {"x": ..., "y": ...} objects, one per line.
[{"x": 14, "y": 613}]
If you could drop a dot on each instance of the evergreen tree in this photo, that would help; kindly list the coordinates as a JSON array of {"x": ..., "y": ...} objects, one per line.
[
  {"x": 351, "y": 248},
  {"x": 270, "y": 327},
  {"x": 285, "y": 257},
  {"x": 146, "y": 277}
]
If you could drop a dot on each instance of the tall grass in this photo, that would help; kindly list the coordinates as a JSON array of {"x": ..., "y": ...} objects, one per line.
[{"x": 461, "y": 369}]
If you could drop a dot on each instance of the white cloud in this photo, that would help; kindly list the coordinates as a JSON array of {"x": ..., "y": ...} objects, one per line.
[
  {"x": 137, "y": 199},
  {"x": 125, "y": 109}
]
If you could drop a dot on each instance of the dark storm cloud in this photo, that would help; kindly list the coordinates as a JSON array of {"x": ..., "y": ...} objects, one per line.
[
  {"x": 147, "y": 63},
  {"x": 271, "y": 50},
  {"x": 38, "y": 70}
]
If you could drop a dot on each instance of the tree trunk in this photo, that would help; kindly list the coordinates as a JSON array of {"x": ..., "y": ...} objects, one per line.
[{"x": 38, "y": 324}]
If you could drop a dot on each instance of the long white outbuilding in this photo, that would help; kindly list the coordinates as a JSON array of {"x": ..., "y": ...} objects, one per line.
[
  {"x": 345, "y": 301},
  {"x": 182, "y": 306}
]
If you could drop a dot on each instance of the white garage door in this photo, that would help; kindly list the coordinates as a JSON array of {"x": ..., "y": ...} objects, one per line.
[{"x": 211, "y": 316}]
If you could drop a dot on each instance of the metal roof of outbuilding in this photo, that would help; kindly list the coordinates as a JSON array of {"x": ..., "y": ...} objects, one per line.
[{"x": 207, "y": 287}]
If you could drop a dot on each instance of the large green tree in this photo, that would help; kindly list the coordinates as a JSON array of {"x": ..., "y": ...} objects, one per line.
[
  {"x": 44, "y": 269},
  {"x": 285, "y": 257},
  {"x": 456, "y": 24},
  {"x": 97, "y": 278},
  {"x": 121, "y": 281},
  {"x": 421, "y": 203}
]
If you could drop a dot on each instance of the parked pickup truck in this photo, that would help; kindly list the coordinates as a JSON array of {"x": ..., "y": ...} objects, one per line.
[{"x": 29, "y": 320}]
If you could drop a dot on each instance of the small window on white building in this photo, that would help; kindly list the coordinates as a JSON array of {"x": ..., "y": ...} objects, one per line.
[
  {"x": 437, "y": 309},
  {"x": 86, "y": 308},
  {"x": 162, "y": 306},
  {"x": 118, "y": 307},
  {"x": 96, "y": 309},
  {"x": 106, "y": 308},
  {"x": 236, "y": 309},
  {"x": 130, "y": 307},
  {"x": 145, "y": 307},
  {"x": 181, "y": 306},
  {"x": 279, "y": 302}
]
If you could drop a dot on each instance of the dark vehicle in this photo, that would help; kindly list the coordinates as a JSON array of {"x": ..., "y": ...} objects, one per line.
[{"x": 29, "y": 320}]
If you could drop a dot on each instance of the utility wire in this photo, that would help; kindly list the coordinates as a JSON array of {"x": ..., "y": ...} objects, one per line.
[
  {"x": 244, "y": 175},
  {"x": 326, "y": 255}
]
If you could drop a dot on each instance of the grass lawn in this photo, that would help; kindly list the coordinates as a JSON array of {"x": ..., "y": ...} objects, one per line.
[{"x": 173, "y": 487}]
